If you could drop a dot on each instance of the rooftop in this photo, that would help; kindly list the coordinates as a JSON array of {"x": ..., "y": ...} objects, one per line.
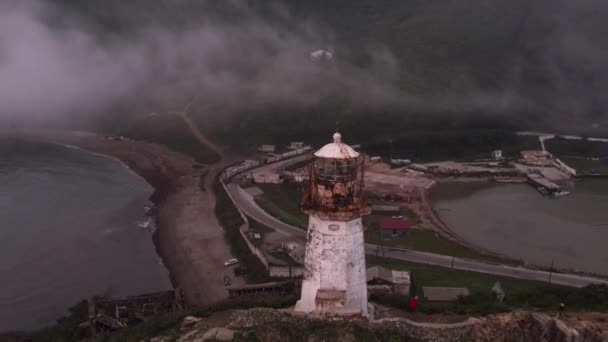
[
  {"x": 392, "y": 276},
  {"x": 396, "y": 224},
  {"x": 337, "y": 150}
]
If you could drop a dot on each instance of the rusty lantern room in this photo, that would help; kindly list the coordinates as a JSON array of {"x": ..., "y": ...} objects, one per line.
[{"x": 335, "y": 188}]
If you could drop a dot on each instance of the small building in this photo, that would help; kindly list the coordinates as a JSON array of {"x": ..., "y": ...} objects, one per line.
[
  {"x": 536, "y": 158},
  {"x": 375, "y": 159},
  {"x": 267, "y": 148},
  {"x": 400, "y": 162},
  {"x": 444, "y": 294},
  {"x": 382, "y": 280},
  {"x": 291, "y": 176},
  {"x": 394, "y": 227},
  {"x": 267, "y": 177},
  {"x": 295, "y": 145},
  {"x": 497, "y": 154},
  {"x": 385, "y": 210}
]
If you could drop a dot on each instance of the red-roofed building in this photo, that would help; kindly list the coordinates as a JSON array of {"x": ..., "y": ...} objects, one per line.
[{"x": 392, "y": 227}]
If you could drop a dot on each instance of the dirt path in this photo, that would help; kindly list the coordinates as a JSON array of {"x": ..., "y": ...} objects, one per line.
[{"x": 201, "y": 234}]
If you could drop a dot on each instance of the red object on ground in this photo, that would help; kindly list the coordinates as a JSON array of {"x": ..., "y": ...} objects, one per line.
[
  {"x": 393, "y": 224},
  {"x": 414, "y": 304}
]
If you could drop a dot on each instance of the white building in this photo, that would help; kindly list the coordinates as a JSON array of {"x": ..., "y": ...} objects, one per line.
[
  {"x": 267, "y": 148},
  {"x": 497, "y": 154},
  {"x": 295, "y": 145},
  {"x": 335, "y": 280},
  {"x": 397, "y": 282}
]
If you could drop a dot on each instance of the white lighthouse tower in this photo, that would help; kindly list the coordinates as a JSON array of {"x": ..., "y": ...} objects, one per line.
[{"x": 334, "y": 279}]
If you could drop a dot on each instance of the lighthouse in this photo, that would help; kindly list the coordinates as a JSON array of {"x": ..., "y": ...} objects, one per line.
[{"x": 334, "y": 278}]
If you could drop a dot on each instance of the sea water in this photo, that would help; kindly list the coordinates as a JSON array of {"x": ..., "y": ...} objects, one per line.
[{"x": 68, "y": 231}]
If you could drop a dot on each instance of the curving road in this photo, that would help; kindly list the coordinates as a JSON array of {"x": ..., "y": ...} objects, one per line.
[{"x": 248, "y": 205}]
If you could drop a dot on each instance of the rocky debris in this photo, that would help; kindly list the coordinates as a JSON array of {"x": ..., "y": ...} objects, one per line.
[
  {"x": 191, "y": 336},
  {"x": 218, "y": 334},
  {"x": 189, "y": 322},
  {"x": 246, "y": 319},
  {"x": 527, "y": 326},
  {"x": 265, "y": 324},
  {"x": 161, "y": 339}
]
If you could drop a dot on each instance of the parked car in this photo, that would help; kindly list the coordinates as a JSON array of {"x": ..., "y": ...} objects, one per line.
[
  {"x": 231, "y": 262},
  {"x": 227, "y": 281}
]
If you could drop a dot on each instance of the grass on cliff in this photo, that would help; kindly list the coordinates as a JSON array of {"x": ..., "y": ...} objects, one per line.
[
  {"x": 519, "y": 293},
  {"x": 428, "y": 275},
  {"x": 231, "y": 221}
]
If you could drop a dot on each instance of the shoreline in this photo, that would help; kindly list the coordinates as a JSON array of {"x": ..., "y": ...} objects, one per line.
[
  {"x": 179, "y": 209},
  {"x": 444, "y": 230},
  {"x": 450, "y": 234}
]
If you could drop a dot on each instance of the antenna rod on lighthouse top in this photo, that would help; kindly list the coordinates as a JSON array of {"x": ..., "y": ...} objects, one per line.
[{"x": 337, "y": 138}]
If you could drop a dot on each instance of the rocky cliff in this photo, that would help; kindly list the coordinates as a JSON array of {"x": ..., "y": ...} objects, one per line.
[{"x": 281, "y": 325}]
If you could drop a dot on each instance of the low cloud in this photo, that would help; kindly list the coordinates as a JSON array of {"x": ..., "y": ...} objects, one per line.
[{"x": 248, "y": 64}]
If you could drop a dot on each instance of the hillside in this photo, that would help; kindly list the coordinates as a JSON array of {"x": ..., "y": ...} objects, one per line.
[{"x": 398, "y": 64}]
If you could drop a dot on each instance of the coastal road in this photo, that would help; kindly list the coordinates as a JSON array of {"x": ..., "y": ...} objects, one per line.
[{"x": 248, "y": 205}]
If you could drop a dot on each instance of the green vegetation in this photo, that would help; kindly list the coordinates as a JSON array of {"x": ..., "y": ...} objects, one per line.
[
  {"x": 231, "y": 221},
  {"x": 451, "y": 64},
  {"x": 258, "y": 228},
  {"x": 419, "y": 238},
  {"x": 426, "y": 241},
  {"x": 583, "y": 155},
  {"x": 170, "y": 131},
  {"x": 519, "y": 294},
  {"x": 454, "y": 145},
  {"x": 427, "y": 275},
  {"x": 577, "y": 148},
  {"x": 585, "y": 165},
  {"x": 283, "y": 202}
]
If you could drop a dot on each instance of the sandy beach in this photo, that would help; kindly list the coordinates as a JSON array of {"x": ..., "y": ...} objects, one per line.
[{"x": 188, "y": 238}]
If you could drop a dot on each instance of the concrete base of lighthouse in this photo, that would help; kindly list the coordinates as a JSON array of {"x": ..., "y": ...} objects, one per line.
[{"x": 335, "y": 280}]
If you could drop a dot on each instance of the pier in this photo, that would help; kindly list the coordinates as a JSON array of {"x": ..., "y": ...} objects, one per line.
[{"x": 540, "y": 181}]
